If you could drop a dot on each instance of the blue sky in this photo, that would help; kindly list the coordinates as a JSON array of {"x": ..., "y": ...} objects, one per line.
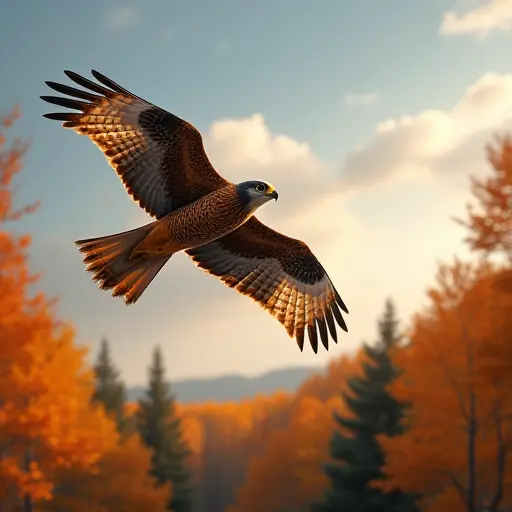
[{"x": 372, "y": 203}]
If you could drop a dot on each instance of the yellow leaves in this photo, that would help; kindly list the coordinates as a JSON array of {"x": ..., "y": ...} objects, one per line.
[
  {"x": 46, "y": 409},
  {"x": 120, "y": 482},
  {"x": 47, "y": 398},
  {"x": 193, "y": 434},
  {"x": 31, "y": 481},
  {"x": 283, "y": 439},
  {"x": 288, "y": 473},
  {"x": 332, "y": 381},
  {"x": 48, "y": 427},
  {"x": 46, "y": 420}
]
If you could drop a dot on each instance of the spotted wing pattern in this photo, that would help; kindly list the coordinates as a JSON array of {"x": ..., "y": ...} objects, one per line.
[
  {"x": 282, "y": 275},
  {"x": 159, "y": 157}
]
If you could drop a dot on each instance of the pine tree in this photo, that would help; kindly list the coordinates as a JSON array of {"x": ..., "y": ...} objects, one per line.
[
  {"x": 110, "y": 390},
  {"x": 357, "y": 457},
  {"x": 160, "y": 430}
]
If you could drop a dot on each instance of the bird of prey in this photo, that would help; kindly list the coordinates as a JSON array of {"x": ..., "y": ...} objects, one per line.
[{"x": 163, "y": 165}]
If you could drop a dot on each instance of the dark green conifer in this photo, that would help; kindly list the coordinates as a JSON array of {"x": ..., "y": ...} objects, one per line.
[
  {"x": 357, "y": 458},
  {"x": 160, "y": 430},
  {"x": 109, "y": 389}
]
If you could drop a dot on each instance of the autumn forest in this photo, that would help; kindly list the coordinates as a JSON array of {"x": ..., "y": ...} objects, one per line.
[{"x": 418, "y": 420}]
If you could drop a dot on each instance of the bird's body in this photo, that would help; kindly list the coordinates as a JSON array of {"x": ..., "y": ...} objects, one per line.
[
  {"x": 133, "y": 258},
  {"x": 162, "y": 163},
  {"x": 212, "y": 216}
]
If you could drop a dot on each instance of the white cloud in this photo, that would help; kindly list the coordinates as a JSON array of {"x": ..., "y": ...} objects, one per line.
[
  {"x": 361, "y": 99},
  {"x": 121, "y": 17},
  {"x": 479, "y": 21},
  {"x": 246, "y": 143},
  {"x": 435, "y": 141}
]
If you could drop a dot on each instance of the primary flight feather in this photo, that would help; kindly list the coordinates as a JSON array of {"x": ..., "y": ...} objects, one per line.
[{"x": 162, "y": 163}]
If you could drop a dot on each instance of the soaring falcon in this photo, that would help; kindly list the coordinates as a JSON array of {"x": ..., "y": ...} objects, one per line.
[{"x": 162, "y": 163}]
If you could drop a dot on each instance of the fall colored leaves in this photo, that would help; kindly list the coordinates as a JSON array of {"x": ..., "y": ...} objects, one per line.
[
  {"x": 51, "y": 434},
  {"x": 454, "y": 376}
]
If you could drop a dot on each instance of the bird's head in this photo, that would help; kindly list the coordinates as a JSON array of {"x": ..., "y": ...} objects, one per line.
[{"x": 254, "y": 194}]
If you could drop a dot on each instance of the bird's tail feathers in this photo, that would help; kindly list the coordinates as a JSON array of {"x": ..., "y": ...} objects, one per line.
[{"x": 116, "y": 267}]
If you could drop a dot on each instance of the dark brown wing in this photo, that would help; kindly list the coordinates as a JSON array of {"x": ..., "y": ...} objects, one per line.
[
  {"x": 159, "y": 157},
  {"x": 279, "y": 273}
]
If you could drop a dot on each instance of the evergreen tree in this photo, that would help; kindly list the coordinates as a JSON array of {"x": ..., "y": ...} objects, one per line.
[
  {"x": 357, "y": 457},
  {"x": 110, "y": 390},
  {"x": 160, "y": 430}
]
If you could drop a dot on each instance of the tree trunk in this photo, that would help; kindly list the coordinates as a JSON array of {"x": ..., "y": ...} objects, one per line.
[
  {"x": 27, "y": 499},
  {"x": 472, "y": 427},
  {"x": 27, "y": 503},
  {"x": 471, "y": 503},
  {"x": 501, "y": 463}
]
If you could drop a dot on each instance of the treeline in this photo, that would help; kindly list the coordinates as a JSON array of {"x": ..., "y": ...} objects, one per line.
[{"x": 419, "y": 419}]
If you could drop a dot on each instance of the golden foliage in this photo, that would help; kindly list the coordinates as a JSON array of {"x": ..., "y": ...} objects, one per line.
[
  {"x": 287, "y": 475},
  {"x": 121, "y": 483},
  {"x": 48, "y": 425}
]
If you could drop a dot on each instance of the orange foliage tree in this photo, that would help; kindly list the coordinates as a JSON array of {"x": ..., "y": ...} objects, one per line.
[
  {"x": 460, "y": 423},
  {"x": 288, "y": 474},
  {"x": 490, "y": 224},
  {"x": 223, "y": 437},
  {"x": 490, "y": 230},
  {"x": 285, "y": 473},
  {"x": 46, "y": 420},
  {"x": 333, "y": 380},
  {"x": 121, "y": 483}
]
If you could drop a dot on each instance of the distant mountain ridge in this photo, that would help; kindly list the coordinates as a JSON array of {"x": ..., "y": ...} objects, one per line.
[{"x": 228, "y": 388}]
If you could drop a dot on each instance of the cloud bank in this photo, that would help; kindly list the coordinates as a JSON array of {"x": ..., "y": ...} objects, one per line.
[
  {"x": 479, "y": 21},
  {"x": 434, "y": 141}
]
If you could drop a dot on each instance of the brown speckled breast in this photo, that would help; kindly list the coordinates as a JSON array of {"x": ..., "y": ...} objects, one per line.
[{"x": 210, "y": 217}]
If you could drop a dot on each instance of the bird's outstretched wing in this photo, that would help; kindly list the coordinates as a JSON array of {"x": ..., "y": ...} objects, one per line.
[
  {"x": 159, "y": 157},
  {"x": 281, "y": 274}
]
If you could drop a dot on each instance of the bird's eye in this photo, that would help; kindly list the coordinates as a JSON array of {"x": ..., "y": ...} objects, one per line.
[{"x": 260, "y": 187}]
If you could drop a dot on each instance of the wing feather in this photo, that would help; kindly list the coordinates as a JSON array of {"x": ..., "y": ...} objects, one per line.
[
  {"x": 159, "y": 157},
  {"x": 282, "y": 275}
]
